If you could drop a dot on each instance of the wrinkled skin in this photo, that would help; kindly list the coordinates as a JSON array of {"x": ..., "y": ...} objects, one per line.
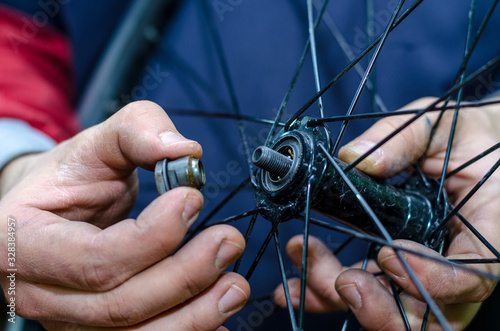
[{"x": 81, "y": 265}]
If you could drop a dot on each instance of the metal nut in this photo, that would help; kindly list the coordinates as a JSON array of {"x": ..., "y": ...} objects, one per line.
[{"x": 186, "y": 171}]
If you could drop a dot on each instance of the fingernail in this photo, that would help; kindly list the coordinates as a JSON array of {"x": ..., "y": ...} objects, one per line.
[
  {"x": 234, "y": 298},
  {"x": 355, "y": 150},
  {"x": 169, "y": 138},
  {"x": 393, "y": 265},
  {"x": 192, "y": 206},
  {"x": 350, "y": 295},
  {"x": 228, "y": 253}
]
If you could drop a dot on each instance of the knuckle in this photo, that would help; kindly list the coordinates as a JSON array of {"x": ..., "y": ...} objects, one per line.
[
  {"x": 191, "y": 285},
  {"x": 99, "y": 275},
  {"x": 122, "y": 312},
  {"x": 482, "y": 291}
]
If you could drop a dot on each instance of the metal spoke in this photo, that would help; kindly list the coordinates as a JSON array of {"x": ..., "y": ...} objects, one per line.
[
  {"x": 202, "y": 113},
  {"x": 401, "y": 309},
  {"x": 470, "y": 106},
  {"x": 284, "y": 281},
  {"x": 474, "y": 159},
  {"x": 247, "y": 237},
  {"x": 469, "y": 195},
  {"x": 454, "y": 263},
  {"x": 239, "y": 216},
  {"x": 229, "y": 84},
  {"x": 350, "y": 66},
  {"x": 349, "y": 54},
  {"x": 219, "y": 206},
  {"x": 188, "y": 73},
  {"x": 439, "y": 315},
  {"x": 296, "y": 74},
  {"x": 368, "y": 71},
  {"x": 425, "y": 318},
  {"x": 459, "y": 100},
  {"x": 343, "y": 245},
  {"x": 454, "y": 89},
  {"x": 314, "y": 57},
  {"x": 478, "y": 235},
  {"x": 261, "y": 251},
  {"x": 305, "y": 248}
]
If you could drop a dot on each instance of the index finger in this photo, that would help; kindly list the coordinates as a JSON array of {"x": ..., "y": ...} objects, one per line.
[{"x": 80, "y": 255}]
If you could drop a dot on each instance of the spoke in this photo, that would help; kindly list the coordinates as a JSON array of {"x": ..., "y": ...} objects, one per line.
[
  {"x": 461, "y": 71},
  {"x": 343, "y": 245},
  {"x": 364, "y": 80},
  {"x": 348, "y": 53},
  {"x": 314, "y": 57},
  {"x": 229, "y": 84},
  {"x": 219, "y": 206},
  {"x": 467, "y": 197},
  {"x": 305, "y": 248},
  {"x": 202, "y": 113},
  {"x": 425, "y": 319},
  {"x": 349, "y": 313},
  {"x": 454, "y": 263},
  {"x": 247, "y": 236},
  {"x": 399, "y": 304},
  {"x": 475, "y": 261},
  {"x": 454, "y": 89},
  {"x": 475, "y": 159},
  {"x": 459, "y": 100},
  {"x": 478, "y": 235},
  {"x": 350, "y": 65},
  {"x": 469, "y": 106},
  {"x": 261, "y": 251},
  {"x": 439, "y": 315},
  {"x": 188, "y": 73},
  {"x": 239, "y": 216},
  {"x": 284, "y": 280},
  {"x": 370, "y": 18},
  {"x": 479, "y": 33},
  {"x": 296, "y": 74}
]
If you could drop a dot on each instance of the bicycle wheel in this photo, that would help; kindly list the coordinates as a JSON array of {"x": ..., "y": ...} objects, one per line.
[{"x": 227, "y": 67}]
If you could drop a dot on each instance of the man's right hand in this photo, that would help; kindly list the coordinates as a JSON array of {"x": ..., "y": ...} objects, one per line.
[{"x": 80, "y": 263}]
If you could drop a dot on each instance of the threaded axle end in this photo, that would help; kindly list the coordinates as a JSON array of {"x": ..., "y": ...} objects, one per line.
[{"x": 275, "y": 163}]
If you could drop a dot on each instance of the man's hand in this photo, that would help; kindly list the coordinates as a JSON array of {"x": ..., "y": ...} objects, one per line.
[
  {"x": 79, "y": 261},
  {"x": 332, "y": 286}
]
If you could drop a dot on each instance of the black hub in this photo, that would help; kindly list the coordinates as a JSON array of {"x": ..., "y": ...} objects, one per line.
[{"x": 408, "y": 211}]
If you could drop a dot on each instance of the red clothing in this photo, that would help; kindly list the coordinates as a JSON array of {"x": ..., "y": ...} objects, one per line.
[{"x": 36, "y": 83}]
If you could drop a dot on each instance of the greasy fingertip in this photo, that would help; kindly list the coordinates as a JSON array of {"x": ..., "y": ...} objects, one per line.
[
  {"x": 372, "y": 164},
  {"x": 392, "y": 265}
]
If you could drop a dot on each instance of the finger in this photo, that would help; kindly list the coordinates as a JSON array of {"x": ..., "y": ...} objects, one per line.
[
  {"x": 313, "y": 303},
  {"x": 80, "y": 255},
  {"x": 445, "y": 283},
  {"x": 399, "y": 152},
  {"x": 322, "y": 270},
  {"x": 163, "y": 286},
  {"x": 140, "y": 134},
  {"x": 372, "y": 303},
  {"x": 207, "y": 311},
  {"x": 213, "y": 307},
  {"x": 376, "y": 308}
]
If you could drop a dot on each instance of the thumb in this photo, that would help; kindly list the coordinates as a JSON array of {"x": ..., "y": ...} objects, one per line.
[{"x": 399, "y": 152}]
